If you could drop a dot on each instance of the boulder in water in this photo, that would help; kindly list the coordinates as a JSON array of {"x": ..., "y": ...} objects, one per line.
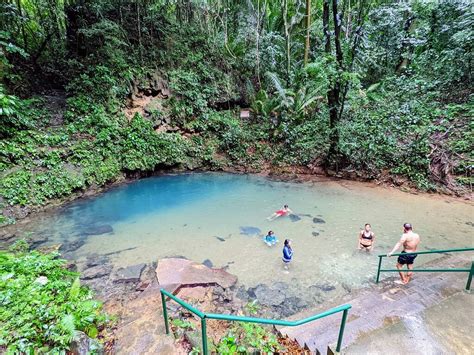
[
  {"x": 315, "y": 234},
  {"x": 250, "y": 231},
  {"x": 318, "y": 220}
]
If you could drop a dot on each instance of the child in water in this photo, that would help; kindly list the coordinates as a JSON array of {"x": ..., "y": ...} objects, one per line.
[
  {"x": 287, "y": 253},
  {"x": 270, "y": 239}
]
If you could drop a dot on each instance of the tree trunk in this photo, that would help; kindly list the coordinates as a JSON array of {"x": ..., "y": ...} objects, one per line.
[
  {"x": 288, "y": 43},
  {"x": 257, "y": 40},
  {"x": 308, "y": 27},
  {"x": 20, "y": 12},
  {"x": 407, "y": 47},
  {"x": 334, "y": 93}
]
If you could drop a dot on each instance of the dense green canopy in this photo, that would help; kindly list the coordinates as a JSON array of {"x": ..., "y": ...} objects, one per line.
[{"x": 365, "y": 87}]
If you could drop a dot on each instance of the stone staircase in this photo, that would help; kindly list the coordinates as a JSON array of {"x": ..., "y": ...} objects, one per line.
[{"x": 380, "y": 305}]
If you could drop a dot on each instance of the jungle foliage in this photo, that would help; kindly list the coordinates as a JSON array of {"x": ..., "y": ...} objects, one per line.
[
  {"x": 379, "y": 88},
  {"x": 43, "y": 306}
]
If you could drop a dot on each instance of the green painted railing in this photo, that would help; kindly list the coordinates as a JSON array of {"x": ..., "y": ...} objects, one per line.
[
  {"x": 470, "y": 271},
  {"x": 204, "y": 316}
]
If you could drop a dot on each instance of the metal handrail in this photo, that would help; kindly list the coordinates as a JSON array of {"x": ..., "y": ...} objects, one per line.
[
  {"x": 470, "y": 271},
  {"x": 203, "y": 316}
]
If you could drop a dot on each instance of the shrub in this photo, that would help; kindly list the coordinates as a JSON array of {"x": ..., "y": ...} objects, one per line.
[{"x": 42, "y": 304}]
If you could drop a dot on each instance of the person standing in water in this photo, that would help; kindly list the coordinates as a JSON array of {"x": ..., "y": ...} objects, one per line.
[
  {"x": 410, "y": 241},
  {"x": 281, "y": 212},
  {"x": 366, "y": 238},
  {"x": 287, "y": 253}
]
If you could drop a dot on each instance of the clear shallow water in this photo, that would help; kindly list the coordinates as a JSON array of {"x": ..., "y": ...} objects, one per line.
[{"x": 182, "y": 215}]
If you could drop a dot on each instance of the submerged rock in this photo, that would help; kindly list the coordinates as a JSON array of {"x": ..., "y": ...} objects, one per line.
[
  {"x": 97, "y": 230},
  {"x": 208, "y": 263},
  {"x": 326, "y": 287},
  {"x": 269, "y": 296},
  {"x": 315, "y": 234},
  {"x": 220, "y": 238},
  {"x": 96, "y": 272},
  {"x": 250, "y": 231},
  {"x": 71, "y": 246},
  {"x": 294, "y": 218},
  {"x": 318, "y": 220},
  {"x": 36, "y": 240},
  {"x": 128, "y": 274}
]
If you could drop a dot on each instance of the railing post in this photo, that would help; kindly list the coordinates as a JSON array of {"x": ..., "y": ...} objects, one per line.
[
  {"x": 204, "y": 335},
  {"x": 469, "y": 279},
  {"x": 341, "y": 331},
  {"x": 165, "y": 312},
  {"x": 378, "y": 270}
]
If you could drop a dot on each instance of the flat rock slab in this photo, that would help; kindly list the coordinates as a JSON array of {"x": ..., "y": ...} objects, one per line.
[
  {"x": 175, "y": 273},
  {"x": 128, "y": 274}
]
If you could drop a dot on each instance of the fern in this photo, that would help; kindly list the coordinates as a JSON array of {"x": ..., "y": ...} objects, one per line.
[{"x": 75, "y": 289}]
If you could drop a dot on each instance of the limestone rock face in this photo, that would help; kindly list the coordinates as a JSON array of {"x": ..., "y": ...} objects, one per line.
[{"x": 174, "y": 273}]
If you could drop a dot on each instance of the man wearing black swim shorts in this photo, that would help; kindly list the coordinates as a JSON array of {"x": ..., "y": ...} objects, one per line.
[{"x": 410, "y": 241}]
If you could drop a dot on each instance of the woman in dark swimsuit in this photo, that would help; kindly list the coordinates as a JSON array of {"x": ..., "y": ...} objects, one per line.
[{"x": 366, "y": 238}]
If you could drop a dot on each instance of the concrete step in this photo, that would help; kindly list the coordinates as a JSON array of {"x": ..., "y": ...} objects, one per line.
[{"x": 380, "y": 305}]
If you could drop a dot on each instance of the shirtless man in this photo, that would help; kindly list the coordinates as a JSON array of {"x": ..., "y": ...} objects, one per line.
[{"x": 410, "y": 243}]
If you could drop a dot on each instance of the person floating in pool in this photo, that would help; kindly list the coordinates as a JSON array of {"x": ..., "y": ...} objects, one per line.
[
  {"x": 366, "y": 238},
  {"x": 287, "y": 253},
  {"x": 270, "y": 239},
  {"x": 410, "y": 241},
  {"x": 281, "y": 212}
]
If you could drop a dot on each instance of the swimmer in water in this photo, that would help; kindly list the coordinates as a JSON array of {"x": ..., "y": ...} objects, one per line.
[
  {"x": 366, "y": 238},
  {"x": 281, "y": 212},
  {"x": 270, "y": 239},
  {"x": 287, "y": 254}
]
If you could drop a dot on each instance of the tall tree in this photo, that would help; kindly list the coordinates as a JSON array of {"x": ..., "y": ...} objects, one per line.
[{"x": 308, "y": 31}]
